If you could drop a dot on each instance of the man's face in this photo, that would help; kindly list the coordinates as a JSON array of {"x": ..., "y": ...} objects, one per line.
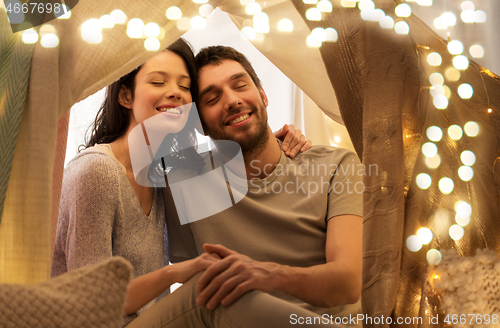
[{"x": 231, "y": 106}]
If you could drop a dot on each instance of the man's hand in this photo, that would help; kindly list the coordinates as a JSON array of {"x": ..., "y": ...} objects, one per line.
[
  {"x": 227, "y": 280},
  {"x": 293, "y": 140}
]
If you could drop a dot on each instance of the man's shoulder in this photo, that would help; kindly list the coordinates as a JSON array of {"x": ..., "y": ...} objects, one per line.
[{"x": 327, "y": 153}]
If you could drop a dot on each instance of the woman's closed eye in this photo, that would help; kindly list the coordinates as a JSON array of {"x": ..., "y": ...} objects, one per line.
[{"x": 157, "y": 82}]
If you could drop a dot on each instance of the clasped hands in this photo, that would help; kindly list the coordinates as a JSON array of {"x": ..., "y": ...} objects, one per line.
[{"x": 228, "y": 279}]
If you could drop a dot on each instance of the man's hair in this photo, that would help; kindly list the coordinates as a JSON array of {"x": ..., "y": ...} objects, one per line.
[{"x": 214, "y": 55}]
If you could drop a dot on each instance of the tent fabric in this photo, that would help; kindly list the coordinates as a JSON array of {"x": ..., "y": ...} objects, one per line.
[{"x": 381, "y": 85}]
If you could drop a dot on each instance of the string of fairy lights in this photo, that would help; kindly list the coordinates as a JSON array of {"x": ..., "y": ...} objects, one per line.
[{"x": 93, "y": 32}]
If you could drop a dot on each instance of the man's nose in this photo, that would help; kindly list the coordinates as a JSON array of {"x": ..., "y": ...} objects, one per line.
[{"x": 233, "y": 100}]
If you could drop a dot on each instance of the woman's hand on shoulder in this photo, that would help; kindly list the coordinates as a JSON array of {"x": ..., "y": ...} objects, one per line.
[{"x": 293, "y": 141}]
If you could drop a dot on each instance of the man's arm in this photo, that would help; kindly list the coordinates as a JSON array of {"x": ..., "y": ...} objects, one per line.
[{"x": 336, "y": 282}]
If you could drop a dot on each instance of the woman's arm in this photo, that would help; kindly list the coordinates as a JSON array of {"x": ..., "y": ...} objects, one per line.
[{"x": 145, "y": 288}]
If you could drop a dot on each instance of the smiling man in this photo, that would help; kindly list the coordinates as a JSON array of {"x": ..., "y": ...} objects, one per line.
[{"x": 297, "y": 233}]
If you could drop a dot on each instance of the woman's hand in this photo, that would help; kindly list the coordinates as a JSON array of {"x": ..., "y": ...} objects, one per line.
[
  {"x": 183, "y": 271},
  {"x": 293, "y": 140}
]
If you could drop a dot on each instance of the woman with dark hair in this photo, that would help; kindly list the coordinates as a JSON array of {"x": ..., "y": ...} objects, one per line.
[{"x": 104, "y": 211}]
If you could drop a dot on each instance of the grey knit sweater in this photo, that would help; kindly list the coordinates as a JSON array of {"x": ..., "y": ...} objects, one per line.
[{"x": 100, "y": 216}]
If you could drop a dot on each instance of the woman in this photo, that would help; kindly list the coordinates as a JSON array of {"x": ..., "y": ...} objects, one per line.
[{"x": 104, "y": 211}]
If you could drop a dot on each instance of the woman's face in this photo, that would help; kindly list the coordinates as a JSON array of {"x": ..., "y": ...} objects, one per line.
[{"x": 161, "y": 86}]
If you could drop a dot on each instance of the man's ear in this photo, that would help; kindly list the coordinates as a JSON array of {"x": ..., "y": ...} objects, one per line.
[
  {"x": 263, "y": 95},
  {"x": 125, "y": 97}
]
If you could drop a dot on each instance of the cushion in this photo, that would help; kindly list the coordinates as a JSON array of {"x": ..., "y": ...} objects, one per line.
[{"x": 93, "y": 296}]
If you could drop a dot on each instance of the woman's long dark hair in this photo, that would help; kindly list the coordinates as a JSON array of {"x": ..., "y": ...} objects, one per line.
[{"x": 113, "y": 119}]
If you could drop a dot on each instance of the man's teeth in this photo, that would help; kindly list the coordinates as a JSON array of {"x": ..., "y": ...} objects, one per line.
[
  {"x": 239, "y": 119},
  {"x": 170, "y": 110}
]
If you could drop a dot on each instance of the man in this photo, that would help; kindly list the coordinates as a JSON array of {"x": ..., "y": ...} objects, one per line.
[{"x": 293, "y": 243}]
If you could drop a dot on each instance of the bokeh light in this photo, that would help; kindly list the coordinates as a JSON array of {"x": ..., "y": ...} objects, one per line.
[
  {"x": 285, "y": 25},
  {"x": 135, "y": 28},
  {"x": 253, "y": 8},
  {"x": 424, "y": 181},
  {"x": 446, "y": 185},
  {"x": 461, "y": 62},
  {"x": 479, "y": 16},
  {"x": 434, "y": 133},
  {"x": 387, "y": 22},
  {"x": 403, "y": 10},
  {"x": 455, "y": 132},
  {"x": 206, "y": 10},
  {"x": 413, "y": 243},
  {"x": 440, "y": 101},
  {"x": 434, "y": 59},
  {"x": 434, "y": 256},
  {"x": 465, "y": 173},
  {"x": 471, "y": 129},
  {"x": 455, "y": 47},
  {"x": 249, "y": 32},
  {"x": 313, "y": 14},
  {"x": 174, "y": 13},
  {"x": 476, "y": 51},
  {"x": 436, "y": 78},
  {"x": 152, "y": 30},
  {"x": 49, "y": 40},
  {"x": 198, "y": 22},
  {"x": 462, "y": 221},
  {"x": 118, "y": 16},
  {"x": 456, "y": 232},
  {"x": 465, "y": 91},
  {"x": 152, "y": 44},
  {"x": 325, "y": 6},
  {"x": 424, "y": 235},
  {"x": 402, "y": 28},
  {"x": 429, "y": 149},
  {"x": 331, "y": 34},
  {"x": 30, "y": 36},
  {"x": 433, "y": 162},
  {"x": 452, "y": 74}
]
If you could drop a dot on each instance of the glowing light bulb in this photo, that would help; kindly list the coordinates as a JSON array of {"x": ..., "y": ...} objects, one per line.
[
  {"x": 455, "y": 47},
  {"x": 449, "y": 19},
  {"x": 387, "y": 22},
  {"x": 440, "y": 101},
  {"x": 452, "y": 74},
  {"x": 446, "y": 185},
  {"x": 434, "y": 257},
  {"x": 413, "y": 243},
  {"x": 434, "y": 133},
  {"x": 461, "y": 62},
  {"x": 456, "y": 232},
  {"x": 198, "y": 22},
  {"x": 429, "y": 149},
  {"x": 461, "y": 220},
  {"x": 152, "y": 44},
  {"x": 107, "y": 21},
  {"x": 402, "y": 27},
  {"x": 325, "y": 6},
  {"x": 479, "y": 16},
  {"x": 403, "y": 10},
  {"x": 433, "y": 162},
  {"x": 49, "y": 40},
  {"x": 455, "y": 132},
  {"x": 174, "y": 13},
  {"x": 436, "y": 78},
  {"x": 30, "y": 36},
  {"x": 206, "y": 10},
  {"x": 476, "y": 51},
  {"x": 152, "y": 30},
  {"x": 465, "y": 91},
  {"x": 118, "y": 16},
  {"x": 434, "y": 59},
  {"x": 249, "y": 33},
  {"x": 253, "y": 8},
  {"x": 424, "y": 181},
  {"x": 471, "y": 129},
  {"x": 465, "y": 173},
  {"x": 285, "y": 25},
  {"x": 424, "y": 235},
  {"x": 313, "y": 14},
  {"x": 331, "y": 34},
  {"x": 312, "y": 42}
]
